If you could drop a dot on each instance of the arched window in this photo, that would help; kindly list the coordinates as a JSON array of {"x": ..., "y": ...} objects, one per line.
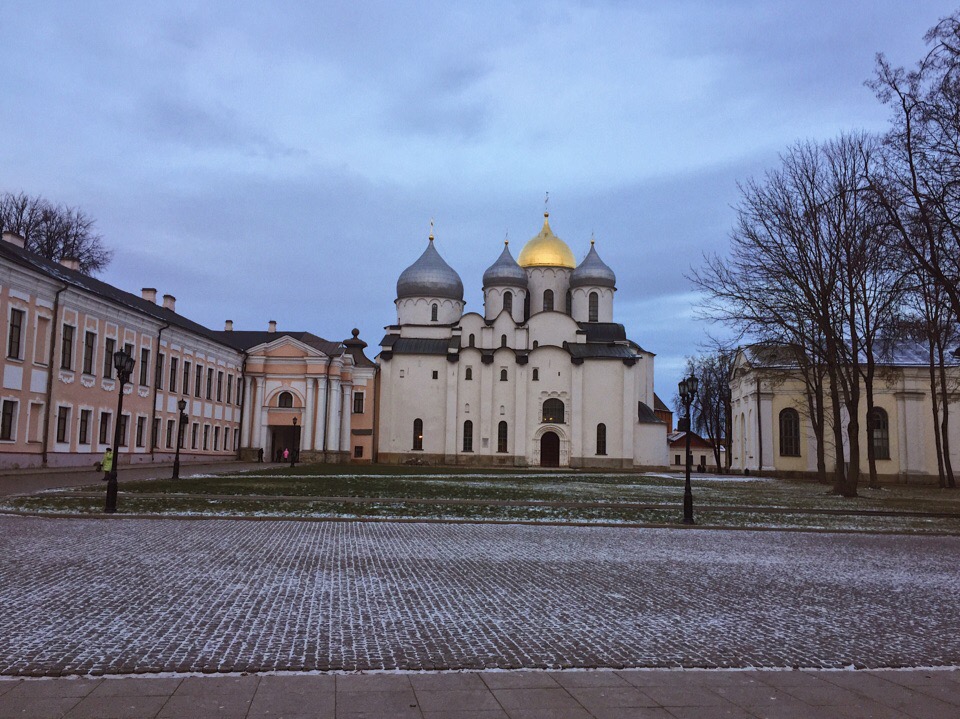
[
  {"x": 503, "y": 340},
  {"x": 468, "y": 373},
  {"x": 433, "y": 313},
  {"x": 789, "y": 433},
  {"x": 594, "y": 307},
  {"x": 418, "y": 434},
  {"x": 535, "y": 344},
  {"x": 503, "y": 375},
  {"x": 601, "y": 438},
  {"x": 536, "y": 374},
  {"x": 468, "y": 436},
  {"x": 569, "y": 307},
  {"x": 502, "y": 437},
  {"x": 548, "y": 300},
  {"x": 508, "y": 302},
  {"x": 472, "y": 341},
  {"x": 879, "y": 424},
  {"x": 285, "y": 400},
  {"x": 553, "y": 411}
]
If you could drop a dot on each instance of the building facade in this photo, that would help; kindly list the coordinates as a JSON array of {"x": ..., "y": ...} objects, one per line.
[
  {"x": 544, "y": 377},
  {"x": 771, "y": 424}
]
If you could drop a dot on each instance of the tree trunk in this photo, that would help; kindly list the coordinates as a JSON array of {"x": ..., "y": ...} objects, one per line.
[
  {"x": 951, "y": 481},
  {"x": 839, "y": 476}
]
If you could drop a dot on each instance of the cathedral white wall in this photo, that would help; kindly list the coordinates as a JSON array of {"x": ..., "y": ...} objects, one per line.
[
  {"x": 548, "y": 278},
  {"x": 419, "y": 310},
  {"x": 493, "y": 300},
  {"x": 650, "y": 445},
  {"x": 605, "y": 384},
  {"x": 553, "y": 328},
  {"x": 581, "y": 303},
  {"x": 408, "y": 392}
]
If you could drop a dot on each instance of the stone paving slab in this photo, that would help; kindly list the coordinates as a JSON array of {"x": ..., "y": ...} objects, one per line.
[
  {"x": 90, "y": 597},
  {"x": 602, "y": 694}
]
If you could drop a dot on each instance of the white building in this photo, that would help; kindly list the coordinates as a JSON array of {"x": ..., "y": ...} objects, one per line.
[{"x": 544, "y": 377}]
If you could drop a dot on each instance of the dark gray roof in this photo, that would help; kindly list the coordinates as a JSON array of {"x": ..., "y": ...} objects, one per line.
[
  {"x": 889, "y": 352},
  {"x": 599, "y": 351},
  {"x": 593, "y": 272},
  {"x": 79, "y": 281},
  {"x": 505, "y": 272},
  {"x": 415, "y": 345},
  {"x": 658, "y": 404},
  {"x": 354, "y": 347},
  {"x": 645, "y": 415},
  {"x": 245, "y": 339},
  {"x": 603, "y": 331},
  {"x": 430, "y": 276}
]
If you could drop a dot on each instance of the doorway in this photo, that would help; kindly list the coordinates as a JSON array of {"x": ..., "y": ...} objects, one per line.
[{"x": 549, "y": 450}]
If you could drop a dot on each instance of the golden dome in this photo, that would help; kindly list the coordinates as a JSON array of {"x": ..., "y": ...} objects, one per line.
[{"x": 546, "y": 250}]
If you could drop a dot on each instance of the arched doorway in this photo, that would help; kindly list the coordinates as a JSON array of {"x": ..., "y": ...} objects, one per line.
[{"x": 549, "y": 450}]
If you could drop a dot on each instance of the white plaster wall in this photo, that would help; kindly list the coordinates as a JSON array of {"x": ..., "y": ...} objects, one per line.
[
  {"x": 418, "y": 310},
  {"x": 581, "y": 303},
  {"x": 544, "y": 278},
  {"x": 603, "y": 388},
  {"x": 493, "y": 302},
  {"x": 413, "y": 395}
]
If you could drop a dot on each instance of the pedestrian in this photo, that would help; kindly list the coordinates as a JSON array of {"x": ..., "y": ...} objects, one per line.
[
  {"x": 286, "y": 454},
  {"x": 106, "y": 464},
  {"x": 260, "y": 455}
]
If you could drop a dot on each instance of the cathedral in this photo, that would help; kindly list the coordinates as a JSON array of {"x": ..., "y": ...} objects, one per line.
[{"x": 544, "y": 377}]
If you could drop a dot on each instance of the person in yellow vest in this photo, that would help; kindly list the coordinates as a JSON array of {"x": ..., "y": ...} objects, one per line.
[{"x": 106, "y": 464}]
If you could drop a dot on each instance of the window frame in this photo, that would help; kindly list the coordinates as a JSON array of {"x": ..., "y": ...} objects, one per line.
[
  {"x": 15, "y": 333},
  {"x": 418, "y": 435},
  {"x": 788, "y": 425}
]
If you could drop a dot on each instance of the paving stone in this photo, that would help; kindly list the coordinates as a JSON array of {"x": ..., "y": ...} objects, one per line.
[
  {"x": 117, "y": 707},
  {"x": 519, "y": 680},
  {"x": 132, "y": 686},
  {"x": 456, "y": 700},
  {"x": 489, "y": 714},
  {"x": 35, "y": 707},
  {"x": 589, "y": 679},
  {"x": 557, "y": 699},
  {"x": 447, "y": 681}
]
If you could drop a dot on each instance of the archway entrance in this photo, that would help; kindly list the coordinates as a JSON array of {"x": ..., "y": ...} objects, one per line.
[{"x": 549, "y": 450}]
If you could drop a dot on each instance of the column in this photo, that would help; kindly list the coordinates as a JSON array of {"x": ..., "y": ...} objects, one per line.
[
  {"x": 306, "y": 433},
  {"x": 345, "y": 414},
  {"x": 333, "y": 415}
]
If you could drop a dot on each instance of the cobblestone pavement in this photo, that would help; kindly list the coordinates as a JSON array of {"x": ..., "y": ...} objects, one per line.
[{"x": 128, "y": 596}]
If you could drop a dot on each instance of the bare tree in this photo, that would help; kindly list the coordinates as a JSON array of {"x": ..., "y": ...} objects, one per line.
[
  {"x": 54, "y": 231},
  {"x": 711, "y": 408}
]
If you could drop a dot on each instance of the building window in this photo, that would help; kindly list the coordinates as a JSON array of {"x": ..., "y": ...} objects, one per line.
[
  {"x": 468, "y": 436},
  {"x": 226, "y": 439},
  {"x": 14, "y": 334},
  {"x": 141, "y": 426},
  {"x": 435, "y": 374},
  {"x": 569, "y": 303},
  {"x": 216, "y": 438},
  {"x": 155, "y": 433},
  {"x": 358, "y": 402},
  {"x": 8, "y": 419},
  {"x": 536, "y": 374},
  {"x": 548, "y": 300},
  {"x": 239, "y": 391},
  {"x": 229, "y": 393},
  {"x": 418, "y": 434},
  {"x": 109, "y": 347},
  {"x": 502, "y": 437},
  {"x": 174, "y": 372},
  {"x": 171, "y": 425},
  {"x": 144, "y": 366},
  {"x": 124, "y": 422},
  {"x": 219, "y": 386},
  {"x": 193, "y": 435},
  {"x": 472, "y": 341},
  {"x": 503, "y": 340},
  {"x": 105, "y": 428},
  {"x": 209, "y": 382},
  {"x": 601, "y": 438},
  {"x": 508, "y": 302},
  {"x": 63, "y": 423},
  {"x": 503, "y": 375},
  {"x": 468, "y": 373},
  {"x": 206, "y": 437},
  {"x": 789, "y": 433},
  {"x": 66, "y": 348},
  {"x": 879, "y": 423},
  {"x": 198, "y": 381},
  {"x": 186, "y": 378},
  {"x": 358, "y": 451},
  {"x": 594, "y": 307},
  {"x": 676, "y": 459},
  {"x": 285, "y": 400},
  {"x": 84, "y": 435},
  {"x": 89, "y": 349},
  {"x": 158, "y": 372},
  {"x": 553, "y": 411},
  {"x": 433, "y": 313}
]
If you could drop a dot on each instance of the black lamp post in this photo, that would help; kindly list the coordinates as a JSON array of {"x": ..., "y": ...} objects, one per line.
[
  {"x": 688, "y": 390},
  {"x": 123, "y": 364},
  {"x": 296, "y": 442},
  {"x": 181, "y": 422}
]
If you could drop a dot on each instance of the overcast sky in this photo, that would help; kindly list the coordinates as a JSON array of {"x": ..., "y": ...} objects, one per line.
[{"x": 282, "y": 161}]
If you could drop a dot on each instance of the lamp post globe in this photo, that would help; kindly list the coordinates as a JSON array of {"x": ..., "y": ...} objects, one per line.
[
  {"x": 123, "y": 364},
  {"x": 688, "y": 390},
  {"x": 181, "y": 421}
]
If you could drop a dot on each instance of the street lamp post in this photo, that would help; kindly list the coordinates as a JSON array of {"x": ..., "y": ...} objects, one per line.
[
  {"x": 123, "y": 364},
  {"x": 688, "y": 390},
  {"x": 296, "y": 443},
  {"x": 181, "y": 422}
]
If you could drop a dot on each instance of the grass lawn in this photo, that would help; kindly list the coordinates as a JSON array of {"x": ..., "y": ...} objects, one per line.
[{"x": 321, "y": 491}]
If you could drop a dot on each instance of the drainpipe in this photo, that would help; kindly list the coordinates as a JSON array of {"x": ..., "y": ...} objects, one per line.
[
  {"x": 53, "y": 346},
  {"x": 155, "y": 439}
]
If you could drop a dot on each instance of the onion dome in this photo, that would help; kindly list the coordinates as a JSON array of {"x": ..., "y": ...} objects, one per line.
[
  {"x": 593, "y": 272},
  {"x": 505, "y": 271},
  {"x": 430, "y": 276},
  {"x": 546, "y": 250}
]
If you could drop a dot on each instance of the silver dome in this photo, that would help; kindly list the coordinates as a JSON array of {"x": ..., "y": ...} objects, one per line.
[
  {"x": 430, "y": 276},
  {"x": 593, "y": 272},
  {"x": 505, "y": 272}
]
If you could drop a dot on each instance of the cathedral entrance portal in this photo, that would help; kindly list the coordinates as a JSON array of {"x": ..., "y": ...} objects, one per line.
[{"x": 549, "y": 450}]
